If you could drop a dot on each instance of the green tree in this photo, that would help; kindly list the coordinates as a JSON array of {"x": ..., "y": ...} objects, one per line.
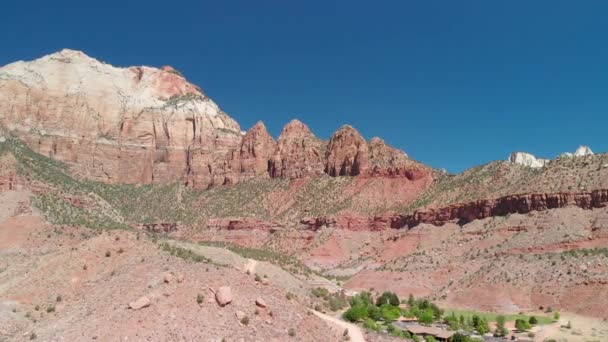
[
  {"x": 501, "y": 330},
  {"x": 522, "y": 325},
  {"x": 370, "y": 324},
  {"x": 533, "y": 321},
  {"x": 388, "y": 298},
  {"x": 426, "y": 317},
  {"x": 411, "y": 301},
  {"x": 390, "y": 312},
  {"x": 374, "y": 312},
  {"x": 556, "y": 315},
  {"x": 482, "y": 326},
  {"x": 356, "y": 313},
  {"x": 430, "y": 338}
]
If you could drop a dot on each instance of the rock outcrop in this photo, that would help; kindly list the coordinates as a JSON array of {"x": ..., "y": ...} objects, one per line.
[
  {"x": 467, "y": 212},
  {"x": 527, "y": 159},
  {"x": 299, "y": 153},
  {"x": 117, "y": 125},
  {"x": 242, "y": 223},
  {"x": 347, "y": 153},
  {"x": 143, "y": 125},
  {"x": 462, "y": 213},
  {"x": 582, "y": 151},
  {"x": 257, "y": 148}
]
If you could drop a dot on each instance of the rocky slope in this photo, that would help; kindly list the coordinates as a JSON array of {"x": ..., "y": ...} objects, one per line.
[
  {"x": 143, "y": 125},
  {"x": 171, "y": 162}
]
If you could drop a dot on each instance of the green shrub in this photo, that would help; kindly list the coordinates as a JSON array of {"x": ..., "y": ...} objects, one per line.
[
  {"x": 336, "y": 303},
  {"x": 390, "y": 312},
  {"x": 522, "y": 325},
  {"x": 533, "y": 320},
  {"x": 426, "y": 317},
  {"x": 200, "y": 298},
  {"x": 245, "y": 320},
  {"x": 370, "y": 324},
  {"x": 356, "y": 313},
  {"x": 292, "y": 332}
]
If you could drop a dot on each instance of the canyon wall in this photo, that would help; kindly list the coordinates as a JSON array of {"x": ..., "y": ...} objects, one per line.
[{"x": 143, "y": 125}]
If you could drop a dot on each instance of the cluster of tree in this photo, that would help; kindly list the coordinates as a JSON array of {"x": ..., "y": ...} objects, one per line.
[
  {"x": 334, "y": 302},
  {"x": 362, "y": 307},
  {"x": 470, "y": 324},
  {"x": 426, "y": 311}
]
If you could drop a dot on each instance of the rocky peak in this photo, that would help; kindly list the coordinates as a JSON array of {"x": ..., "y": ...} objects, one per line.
[
  {"x": 582, "y": 151},
  {"x": 298, "y": 153},
  {"x": 128, "y": 125},
  {"x": 527, "y": 159},
  {"x": 347, "y": 153},
  {"x": 257, "y": 149}
]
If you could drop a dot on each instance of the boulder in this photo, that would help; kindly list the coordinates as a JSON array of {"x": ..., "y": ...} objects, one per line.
[
  {"x": 260, "y": 302},
  {"x": 240, "y": 315},
  {"x": 223, "y": 295},
  {"x": 168, "y": 278},
  {"x": 142, "y": 302}
]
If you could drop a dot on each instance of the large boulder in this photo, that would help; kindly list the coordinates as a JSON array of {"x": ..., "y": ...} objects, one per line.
[{"x": 223, "y": 295}]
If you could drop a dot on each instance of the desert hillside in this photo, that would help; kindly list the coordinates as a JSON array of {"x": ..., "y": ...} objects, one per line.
[{"x": 128, "y": 198}]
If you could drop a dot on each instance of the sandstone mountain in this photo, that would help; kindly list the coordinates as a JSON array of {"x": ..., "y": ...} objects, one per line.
[{"x": 144, "y": 125}]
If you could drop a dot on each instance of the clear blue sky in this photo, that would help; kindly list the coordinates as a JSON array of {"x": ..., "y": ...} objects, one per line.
[{"x": 453, "y": 83}]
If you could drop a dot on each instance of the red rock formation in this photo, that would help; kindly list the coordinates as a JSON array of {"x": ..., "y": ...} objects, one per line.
[
  {"x": 117, "y": 125},
  {"x": 242, "y": 223},
  {"x": 467, "y": 212},
  {"x": 390, "y": 162},
  {"x": 463, "y": 212},
  {"x": 298, "y": 153},
  {"x": 346, "y": 153},
  {"x": 351, "y": 222},
  {"x": 257, "y": 148},
  {"x": 144, "y": 125}
]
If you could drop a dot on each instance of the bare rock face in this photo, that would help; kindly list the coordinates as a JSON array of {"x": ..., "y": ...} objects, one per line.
[
  {"x": 390, "y": 162},
  {"x": 347, "y": 153},
  {"x": 582, "y": 151},
  {"x": 142, "y": 125},
  {"x": 117, "y": 125},
  {"x": 298, "y": 154},
  {"x": 223, "y": 295},
  {"x": 257, "y": 148},
  {"x": 525, "y": 203},
  {"x": 527, "y": 159}
]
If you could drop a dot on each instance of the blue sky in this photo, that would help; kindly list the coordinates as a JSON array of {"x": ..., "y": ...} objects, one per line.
[{"x": 453, "y": 83}]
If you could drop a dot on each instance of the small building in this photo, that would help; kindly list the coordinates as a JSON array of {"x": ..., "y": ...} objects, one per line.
[{"x": 424, "y": 331}]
